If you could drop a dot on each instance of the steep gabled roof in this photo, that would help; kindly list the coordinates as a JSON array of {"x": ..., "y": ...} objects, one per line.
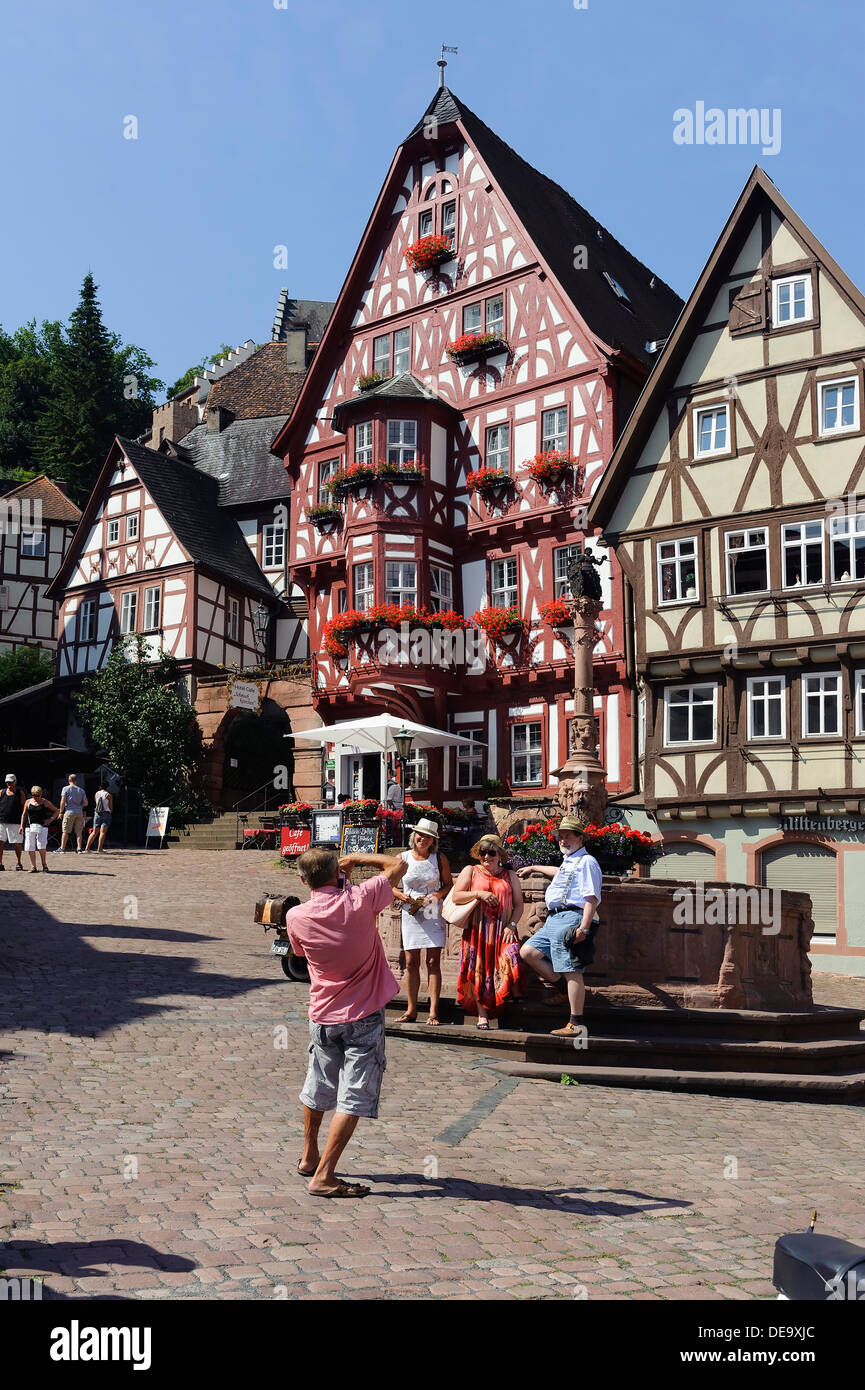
[
  {"x": 555, "y": 223},
  {"x": 261, "y": 385},
  {"x": 189, "y": 502},
  {"x": 759, "y": 191},
  {"x": 56, "y": 506},
  {"x": 239, "y": 458}
]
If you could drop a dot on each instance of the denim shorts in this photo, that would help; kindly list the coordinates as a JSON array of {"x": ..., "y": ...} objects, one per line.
[
  {"x": 548, "y": 939},
  {"x": 346, "y": 1066}
]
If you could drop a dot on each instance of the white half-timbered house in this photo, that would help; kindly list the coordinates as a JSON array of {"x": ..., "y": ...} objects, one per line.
[{"x": 37, "y": 522}]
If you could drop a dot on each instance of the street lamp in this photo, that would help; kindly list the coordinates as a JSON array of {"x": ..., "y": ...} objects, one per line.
[
  {"x": 260, "y": 621},
  {"x": 403, "y": 740}
]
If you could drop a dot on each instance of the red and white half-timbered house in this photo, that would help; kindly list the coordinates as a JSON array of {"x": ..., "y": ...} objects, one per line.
[
  {"x": 528, "y": 330},
  {"x": 37, "y": 522}
]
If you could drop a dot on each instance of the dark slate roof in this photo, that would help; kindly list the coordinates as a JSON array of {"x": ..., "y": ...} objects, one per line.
[
  {"x": 260, "y": 385},
  {"x": 240, "y": 460},
  {"x": 188, "y": 500},
  {"x": 404, "y": 387},
  {"x": 557, "y": 223}
]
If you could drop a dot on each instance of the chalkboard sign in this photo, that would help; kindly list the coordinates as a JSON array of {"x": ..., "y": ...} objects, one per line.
[{"x": 360, "y": 839}]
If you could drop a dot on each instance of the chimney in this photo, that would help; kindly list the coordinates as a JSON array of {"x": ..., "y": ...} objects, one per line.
[
  {"x": 296, "y": 347},
  {"x": 217, "y": 418},
  {"x": 60, "y": 484}
]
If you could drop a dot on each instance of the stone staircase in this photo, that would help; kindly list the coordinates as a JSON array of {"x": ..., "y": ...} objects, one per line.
[
  {"x": 214, "y": 835},
  {"x": 814, "y": 1054}
]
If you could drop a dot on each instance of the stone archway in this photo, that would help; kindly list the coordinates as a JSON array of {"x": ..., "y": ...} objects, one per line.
[{"x": 253, "y": 747}]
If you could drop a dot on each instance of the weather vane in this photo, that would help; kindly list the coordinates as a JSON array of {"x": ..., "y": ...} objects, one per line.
[{"x": 443, "y": 62}]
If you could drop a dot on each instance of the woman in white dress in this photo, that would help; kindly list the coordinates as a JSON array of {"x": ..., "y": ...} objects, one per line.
[{"x": 426, "y": 882}]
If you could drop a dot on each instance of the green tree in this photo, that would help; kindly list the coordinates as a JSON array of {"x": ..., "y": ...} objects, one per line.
[
  {"x": 23, "y": 667},
  {"x": 131, "y": 709},
  {"x": 184, "y": 382},
  {"x": 26, "y": 381}
]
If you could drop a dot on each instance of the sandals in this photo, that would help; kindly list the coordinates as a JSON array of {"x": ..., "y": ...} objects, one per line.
[
  {"x": 483, "y": 1025},
  {"x": 306, "y": 1172},
  {"x": 433, "y": 1023},
  {"x": 345, "y": 1189},
  {"x": 406, "y": 1018}
]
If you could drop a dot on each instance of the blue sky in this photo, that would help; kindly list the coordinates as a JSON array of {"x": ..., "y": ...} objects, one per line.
[{"x": 260, "y": 126}]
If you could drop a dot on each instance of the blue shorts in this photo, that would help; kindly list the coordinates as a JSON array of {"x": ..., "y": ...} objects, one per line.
[{"x": 548, "y": 940}]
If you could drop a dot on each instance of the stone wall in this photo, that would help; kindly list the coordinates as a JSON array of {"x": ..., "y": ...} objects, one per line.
[{"x": 214, "y": 716}]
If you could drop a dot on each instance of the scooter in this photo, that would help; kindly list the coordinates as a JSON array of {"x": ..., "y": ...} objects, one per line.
[
  {"x": 816, "y": 1268},
  {"x": 270, "y": 912}
]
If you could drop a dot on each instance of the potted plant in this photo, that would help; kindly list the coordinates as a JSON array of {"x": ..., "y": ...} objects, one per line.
[
  {"x": 499, "y": 623},
  {"x": 429, "y": 252},
  {"x": 369, "y": 380},
  {"x": 489, "y": 480},
  {"x": 556, "y": 613},
  {"x": 362, "y": 811},
  {"x": 324, "y": 518},
  {"x": 357, "y": 478},
  {"x": 552, "y": 468},
  {"x": 296, "y": 813},
  {"x": 408, "y": 472},
  {"x": 616, "y": 847},
  {"x": 472, "y": 346}
]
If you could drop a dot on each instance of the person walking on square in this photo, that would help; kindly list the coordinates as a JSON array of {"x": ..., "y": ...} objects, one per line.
[
  {"x": 572, "y": 899},
  {"x": 490, "y": 969},
  {"x": 37, "y": 816},
  {"x": 104, "y": 803},
  {"x": 11, "y": 810},
  {"x": 427, "y": 881},
  {"x": 350, "y": 984},
  {"x": 73, "y": 800}
]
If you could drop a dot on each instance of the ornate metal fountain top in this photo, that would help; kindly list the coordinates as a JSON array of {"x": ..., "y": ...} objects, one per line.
[{"x": 583, "y": 576}]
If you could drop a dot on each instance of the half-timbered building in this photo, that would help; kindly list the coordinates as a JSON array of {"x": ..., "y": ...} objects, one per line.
[
  {"x": 734, "y": 503},
  {"x": 531, "y": 333},
  {"x": 37, "y": 522}
]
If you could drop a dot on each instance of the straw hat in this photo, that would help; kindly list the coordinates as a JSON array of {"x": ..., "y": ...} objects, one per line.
[
  {"x": 572, "y": 823},
  {"x": 426, "y": 827},
  {"x": 490, "y": 840}
]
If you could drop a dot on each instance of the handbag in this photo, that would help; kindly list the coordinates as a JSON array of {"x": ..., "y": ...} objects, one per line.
[{"x": 455, "y": 914}]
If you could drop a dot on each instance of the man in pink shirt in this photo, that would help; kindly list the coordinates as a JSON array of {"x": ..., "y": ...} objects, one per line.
[{"x": 350, "y": 983}]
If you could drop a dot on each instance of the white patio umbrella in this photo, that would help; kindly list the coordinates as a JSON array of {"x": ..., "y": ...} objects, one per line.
[{"x": 376, "y": 734}]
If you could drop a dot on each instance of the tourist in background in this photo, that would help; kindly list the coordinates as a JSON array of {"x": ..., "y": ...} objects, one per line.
[
  {"x": 11, "y": 810},
  {"x": 490, "y": 968},
  {"x": 73, "y": 800},
  {"x": 104, "y": 804},
  {"x": 38, "y": 815},
  {"x": 427, "y": 881}
]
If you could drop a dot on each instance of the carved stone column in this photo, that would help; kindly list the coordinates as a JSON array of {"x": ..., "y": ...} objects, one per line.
[{"x": 582, "y": 789}]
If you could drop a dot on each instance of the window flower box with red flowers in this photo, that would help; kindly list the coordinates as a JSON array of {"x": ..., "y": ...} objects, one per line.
[
  {"x": 553, "y": 468},
  {"x": 485, "y": 480},
  {"x": 370, "y": 379},
  {"x": 472, "y": 346},
  {"x": 358, "y": 477},
  {"x": 345, "y": 628},
  {"x": 429, "y": 252},
  {"x": 499, "y": 623},
  {"x": 324, "y": 518},
  {"x": 296, "y": 813},
  {"x": 409, "y": 472},
  {"x": 557, "y": 613}
]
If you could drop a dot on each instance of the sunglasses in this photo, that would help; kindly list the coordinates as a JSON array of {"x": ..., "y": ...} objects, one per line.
[{"x": 489, "y": 854}]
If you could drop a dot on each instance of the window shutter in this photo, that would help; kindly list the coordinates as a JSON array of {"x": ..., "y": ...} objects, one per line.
[
  {"x": 807, "y": 869},
  {"x": 685, "y": 861},
  {"x": 748, "y": 308}
]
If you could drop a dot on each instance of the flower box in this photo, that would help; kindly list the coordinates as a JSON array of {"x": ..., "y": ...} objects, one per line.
[
  {"x": 472, "y": 346},
  {"x": 499, "y": 623},
  {"x": 345, "y": 628},
  {"x": 556, "y": 613},
  {"x": 429, "y": 252},
  {"x": 488, "y": 480},
  {"x": 552, "y": 468},
  {"x": 358, "y": 477},
  {"x": 401, "y": 473},
  {"x": 324, "y": 518},
  {"x": 369, "y": 380}
]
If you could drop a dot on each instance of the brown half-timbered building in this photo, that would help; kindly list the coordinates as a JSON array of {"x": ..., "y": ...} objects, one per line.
[
  {"x": 37, "y": 522},
  {"x": 736, "y": 505},
  {"x": 572, "y": 320}
]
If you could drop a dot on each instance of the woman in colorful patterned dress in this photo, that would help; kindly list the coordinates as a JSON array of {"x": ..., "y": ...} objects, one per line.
[{"x": 490, "y": 967}]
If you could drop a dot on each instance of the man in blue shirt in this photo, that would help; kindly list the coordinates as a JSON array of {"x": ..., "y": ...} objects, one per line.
[{"x": 571, "y": 898}]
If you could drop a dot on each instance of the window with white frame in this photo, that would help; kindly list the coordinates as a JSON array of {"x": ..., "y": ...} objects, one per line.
[
  {"x": 821, "y": 704},
  {"x": 152, "y": 608},
  {"x": 233, "y": 620},
  {"x": 364, "y": 590},
  {"x": 272, "y": 546},
  {"x": 504, "y": 591},
  {"x": 128, "y": 611},
  {"x": 470, "y": 759},
  {"x": 563, "y": 555},
  {"x": 498, "y": 448},
  {"x": 711, "y": 430},
  {"x": 677, "y": 570},
  {"x": 326, "y": 469},
  {"x": 363, "y": 442},
  {"x": 87, "y": 620},
  {"x": 132, "y": 526},
  {"x": 527, "y": 755},
  {"x": 495, "y": 315},
  {"x": 847, "y": 547},
  {"x": 401, "y": 441},
  {"x": 400, "y": 581},
  {"x": 791, "y": 300},
  {"x": 802, "y": 553},
  {"x": 425, "y": 223},
  {"x": 554, "y": 429},
  {"x": 402, "y": 351},
  {"x": 690, "y": 714},
  {"x": 838, "y": 405},
  {"x": 113, "y": 532},
  {"x": 381, "y": 354},
  {"x": 449, "y": 223},
  {"x": 747, "y": 561},
  {"x": 473, "y": 321},
  {"x": 766, "y": 707},
  {"x": 641, "y": 727},
  {"x": 417, "y": 769},
  {"x": 860, "y": 702},
  {"x": 32, "y": 545},
  {"x": 441, "y": 589}
]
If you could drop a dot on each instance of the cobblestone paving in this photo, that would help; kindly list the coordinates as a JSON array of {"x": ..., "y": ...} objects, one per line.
[{"x": 150, "y": 1129}]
